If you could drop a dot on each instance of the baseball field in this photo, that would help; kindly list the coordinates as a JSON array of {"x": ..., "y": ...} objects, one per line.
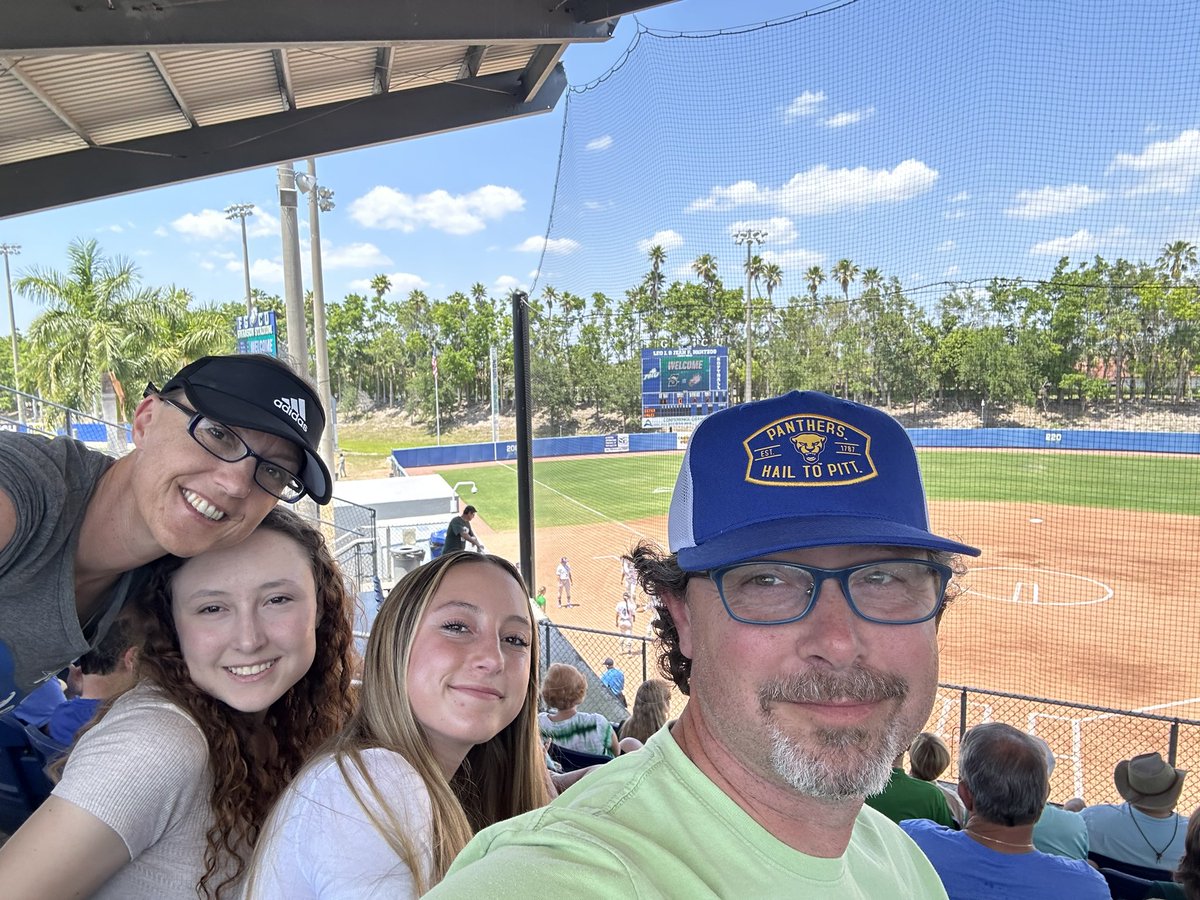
[{"x": 1083, "y": 592}]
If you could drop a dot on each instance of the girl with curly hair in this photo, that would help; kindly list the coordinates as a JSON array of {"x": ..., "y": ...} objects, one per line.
[
  {"x": 444, "y": 743},
  {"x": 244, "y": 670}
]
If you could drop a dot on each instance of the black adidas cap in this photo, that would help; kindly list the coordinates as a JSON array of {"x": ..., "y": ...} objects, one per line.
[{"x": 259, "y": 392}]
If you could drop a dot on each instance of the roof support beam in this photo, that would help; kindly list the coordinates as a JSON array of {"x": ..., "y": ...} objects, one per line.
[
  {"x": 385, "y": 59},
  {"x": 283, "y": 77},
  {"x": 267, "y": 140},
  {"x": 60, "y": 26},
  {"x": 166, "y": 79},
  {"x": 471, "y": 62},
  {"x": 539, "y": 67},
  {"x": 14, "y": 70}
]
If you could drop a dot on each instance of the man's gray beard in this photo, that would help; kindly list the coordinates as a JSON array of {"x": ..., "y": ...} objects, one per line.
[{"x": 852, "y": 766}]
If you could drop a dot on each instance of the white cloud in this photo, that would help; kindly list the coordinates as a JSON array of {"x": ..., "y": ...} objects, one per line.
[
  {"x": 595, "y": 205},
  {"x": 601, "y": 143},
  {"x": 960, "y": 197},
  {"x": 506, "y": 283},
  {"x": 946, "y": 246},
  {"x": 793, "y": 261},
  {"x": 668, "y": 240},
  {"x": 402, "y": 283},
  {"x": 779, "y": 229},
  {"x": 822, "y": 190},
  {"x": 533, "y": 274},
  {"x": 1081, "y": 243},
  {"x": 208, "y": 265},
  {"x": 560, "y": 246},
  {"x": 212, "y": 225},
  {"x": 114, "y": 228},
  {"x": 950, "y": 272},
  {"x": 842, "y": 119},
  {"x": 953, "y": 214},
  {"x": 384, "y": 207},
  {"x": 270, "y": 270},
  {"x": 1166, "y": 167},
  {"x": 160, "y": 232},
  {"x": 207, "y": 225},
  {"x": 1054, "y": 201},
  {"x": 353, "y": 256},
  {"x": 804, "y": 105}
]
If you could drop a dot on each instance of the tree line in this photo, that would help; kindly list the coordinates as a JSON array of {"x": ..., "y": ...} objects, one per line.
[{"x": 1095, "y": 331}]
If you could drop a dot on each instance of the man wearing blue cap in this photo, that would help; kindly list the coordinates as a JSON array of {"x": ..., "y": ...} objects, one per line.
[
  {"x": 224, "y": 440},
  {"x": 798, "y": 613}
]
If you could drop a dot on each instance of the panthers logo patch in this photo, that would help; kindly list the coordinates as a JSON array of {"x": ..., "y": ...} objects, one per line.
[{"x": 808, "y": 451}]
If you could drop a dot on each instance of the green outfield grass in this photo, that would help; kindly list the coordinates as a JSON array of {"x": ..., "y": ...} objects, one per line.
[{"x": 625, "y": 488}]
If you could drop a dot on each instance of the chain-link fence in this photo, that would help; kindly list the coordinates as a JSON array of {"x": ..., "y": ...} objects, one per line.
[{"x": 1088, "y": 741}]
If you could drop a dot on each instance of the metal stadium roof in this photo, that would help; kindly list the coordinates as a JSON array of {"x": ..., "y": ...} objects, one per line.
[{"x": 103, "y": 97}]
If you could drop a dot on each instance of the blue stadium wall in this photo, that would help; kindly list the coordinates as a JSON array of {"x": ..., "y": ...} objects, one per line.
[{"x": 957, "y": 438}]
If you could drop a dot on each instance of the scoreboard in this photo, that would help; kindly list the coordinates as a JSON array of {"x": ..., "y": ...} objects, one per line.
[
  {"x": 257, "y": 333},
  {"x": 681, "y": 385}
]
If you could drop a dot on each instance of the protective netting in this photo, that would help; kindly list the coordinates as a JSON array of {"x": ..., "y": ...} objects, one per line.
[{"x": 981, "y": 216}]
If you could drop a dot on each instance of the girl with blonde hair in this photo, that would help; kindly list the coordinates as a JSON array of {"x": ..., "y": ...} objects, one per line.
[
  {"x": 651, "y": 708},
  {"x": 444, "y": 743}
]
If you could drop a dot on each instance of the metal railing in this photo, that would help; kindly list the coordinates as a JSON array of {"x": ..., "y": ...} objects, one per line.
[{"x": 1088, "y": 740}]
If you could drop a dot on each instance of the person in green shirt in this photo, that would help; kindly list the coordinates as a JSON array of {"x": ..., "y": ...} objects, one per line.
[
  {"x": 540, "y": 599},
  {"x": 802, "y": 627},
  {"x": 906, "y": 797}
]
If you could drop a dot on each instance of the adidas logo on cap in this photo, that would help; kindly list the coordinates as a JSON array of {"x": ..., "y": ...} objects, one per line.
[{"x": 294, "y": 409}]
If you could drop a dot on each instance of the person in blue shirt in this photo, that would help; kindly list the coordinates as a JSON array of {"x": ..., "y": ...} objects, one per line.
[
  {"x": 106, "y": 671},
  {"x": 1003, "y": 783},
  {"x": 614, "y": 680}
]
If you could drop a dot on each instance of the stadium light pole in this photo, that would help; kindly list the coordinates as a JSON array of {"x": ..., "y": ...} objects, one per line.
[
  {"x": 320, "y": 199},
  {"x": 13, "y": 250},
  {"x": 293, "y": 288},
  {"x": 749, "y": 237},
  {"x": 240, "y": 211}
]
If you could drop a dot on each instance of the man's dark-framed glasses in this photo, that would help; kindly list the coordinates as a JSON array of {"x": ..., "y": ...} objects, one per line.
[
  {"x": 890, "y": 591},
  {"x": 225, "y": 444}
]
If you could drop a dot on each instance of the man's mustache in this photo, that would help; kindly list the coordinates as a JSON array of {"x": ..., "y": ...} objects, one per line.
[{"x": 860, "y": 683}]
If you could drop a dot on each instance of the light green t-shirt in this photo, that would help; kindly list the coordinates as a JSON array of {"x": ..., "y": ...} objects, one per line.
[{"x": 652, "y": 825}]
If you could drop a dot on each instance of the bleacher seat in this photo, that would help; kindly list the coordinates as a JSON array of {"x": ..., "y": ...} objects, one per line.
[
  {"x": 1144, "y": 872},
  {"x": 570, "y": 760}
]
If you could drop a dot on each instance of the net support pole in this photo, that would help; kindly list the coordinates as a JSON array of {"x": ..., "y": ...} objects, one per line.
[{"x": 524, "y": 415}]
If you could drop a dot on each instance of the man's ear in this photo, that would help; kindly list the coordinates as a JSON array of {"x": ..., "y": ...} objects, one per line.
[
  {"x": 964, "y": 794},
  {"x": 142, "y": 416},
  {"x": 680, "y": 612}
]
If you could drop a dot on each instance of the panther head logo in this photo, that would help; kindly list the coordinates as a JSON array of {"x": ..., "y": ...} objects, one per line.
[{"x": 809, "y": 446}]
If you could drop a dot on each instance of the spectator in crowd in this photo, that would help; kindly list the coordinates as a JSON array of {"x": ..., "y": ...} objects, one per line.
[
  {"x": 563, "y": 690},
  {"x": 540, "y": 599},
  {"x": 626, "y": 616},
  {"x": 1186, "y": 882},
  {"x": 459, "y": 532},
  {"x": 1003, "y": 784},
  {"x": 1059, "y": 831},
  {"x": 651, "y": 708},
  {"x": 563, "y": 573},
  {"x": 928, "y": 758},
  {"x": 614, "y": 679},
  {"x": 905, "y": 797},
  {"x": 107, "y": 671},
  {"x": 1145, "y": 830},
  {"x": 225, "y": 439},
  {"x": 444, "y": 742},
  {"x": 798, "y": 613},
  {"x": 245, "y": 671}
]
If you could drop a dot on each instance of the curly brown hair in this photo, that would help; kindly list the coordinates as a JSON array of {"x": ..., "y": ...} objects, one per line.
[
  {"x": 660, "y": 576},
  {"x": 251, "y": 763},
  {"x": 563, "y": 687}
]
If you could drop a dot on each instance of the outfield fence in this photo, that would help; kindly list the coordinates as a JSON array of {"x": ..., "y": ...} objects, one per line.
[{"x": 1088, "y": 741}]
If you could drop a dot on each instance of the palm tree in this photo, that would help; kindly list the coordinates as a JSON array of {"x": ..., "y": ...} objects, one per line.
[
  {"x": 844, "y": 273},
  {"x": 754, "y": 267},
  {"x": 772, "y": 275},
  {"x": 872, "y": 278},
  {"x": 815, "y": 276},
  {"x": 98, "y": 322},
  {"x": 705, "y": 266},
  {"x": 1176, "y": 258},
  {"x": 380, "y": 285},
  {"x": 655, "y": 279}
]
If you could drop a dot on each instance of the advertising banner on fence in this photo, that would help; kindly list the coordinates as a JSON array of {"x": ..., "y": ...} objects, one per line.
[{"x": 616, "y": 443}]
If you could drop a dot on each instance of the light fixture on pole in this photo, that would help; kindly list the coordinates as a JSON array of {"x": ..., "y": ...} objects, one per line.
[
  {"x": 320, "y": 199},
  {"x": 12, "y": 250},
  {"x": 749, "y": 237},
  {"x": 240, "y": 211}
]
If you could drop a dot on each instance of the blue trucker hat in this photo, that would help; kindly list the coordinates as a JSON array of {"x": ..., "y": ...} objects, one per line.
[{"x": 801, "y": 470}]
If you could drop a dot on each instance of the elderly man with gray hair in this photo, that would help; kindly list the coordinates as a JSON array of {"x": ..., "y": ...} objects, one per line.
[{"x": 1003, "y": 782}]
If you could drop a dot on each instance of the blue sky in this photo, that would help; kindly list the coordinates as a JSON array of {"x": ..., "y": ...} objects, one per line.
[{"x": 934, "y": 142}]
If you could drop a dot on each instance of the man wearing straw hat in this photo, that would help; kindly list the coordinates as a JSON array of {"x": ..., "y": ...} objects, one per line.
[{"x": 1145, "y": 830}]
